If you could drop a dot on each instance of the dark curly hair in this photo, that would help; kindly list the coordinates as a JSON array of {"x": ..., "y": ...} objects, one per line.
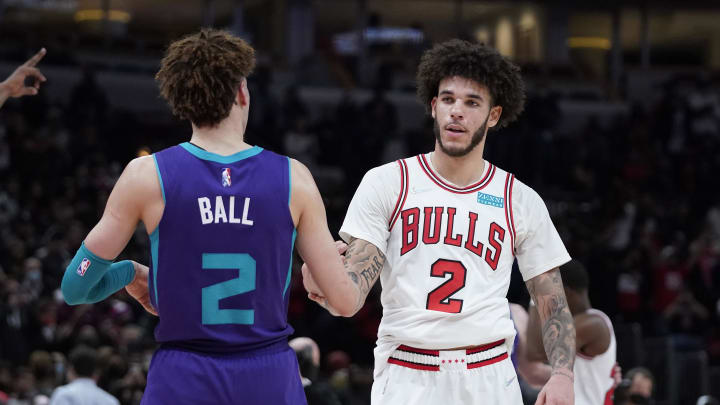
[
  {"x": 476, "y": 62},
  {"x": 201, "y": 73}
]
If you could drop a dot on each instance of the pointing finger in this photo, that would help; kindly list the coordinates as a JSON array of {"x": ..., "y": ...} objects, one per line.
[{"x": 36, "y": 58}]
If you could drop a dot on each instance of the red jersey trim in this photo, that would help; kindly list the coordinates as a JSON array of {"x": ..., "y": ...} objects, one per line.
[
  {"x": 509, "y": 180},
  {"x": 426, "y": 352},
  {"x": 404, "y": 180},
  {"x": 584, "y": 356},
  {"x": 464, "y": 190},
  {"x": 416, "y": 366},
  {"x": 488, "y": 362},
  {"x": 485, "y": 347}
]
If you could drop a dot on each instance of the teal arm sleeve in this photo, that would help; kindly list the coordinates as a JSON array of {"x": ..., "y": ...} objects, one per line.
[{"x": 89, "y": 278}]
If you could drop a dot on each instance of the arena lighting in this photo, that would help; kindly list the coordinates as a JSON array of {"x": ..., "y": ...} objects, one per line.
[
  {"x": 589, "y": 42},
  {"x": 98, "y": 14}
]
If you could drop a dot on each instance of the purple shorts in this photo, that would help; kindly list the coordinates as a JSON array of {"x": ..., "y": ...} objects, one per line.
[{"x": 264, "y": 376}]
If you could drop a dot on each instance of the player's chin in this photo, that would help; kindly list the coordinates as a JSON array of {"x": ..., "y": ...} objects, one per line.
[{"x": 455, "y": 144}]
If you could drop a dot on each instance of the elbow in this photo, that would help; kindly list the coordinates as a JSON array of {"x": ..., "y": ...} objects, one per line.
[
  {"x": 70, "y": 294},
  {"x": 349, "y": 312},
  {"x": 348, "y": 306}
]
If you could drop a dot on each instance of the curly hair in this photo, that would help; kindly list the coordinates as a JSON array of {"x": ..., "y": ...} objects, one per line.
[
  {"x": 200, "y": 75},
  {"x": 476, "y": 62}
]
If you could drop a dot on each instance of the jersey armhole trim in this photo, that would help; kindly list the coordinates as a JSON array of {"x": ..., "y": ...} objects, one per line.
[
  {"x": 157, "y": 169},
  {"x": 509, "y": 180},
  {"x": 289, "y": 181},
  {"x": 402, "y": 196}
]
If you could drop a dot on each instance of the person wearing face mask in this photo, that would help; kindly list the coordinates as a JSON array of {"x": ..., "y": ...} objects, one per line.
[{"x": 636, "y": 388}]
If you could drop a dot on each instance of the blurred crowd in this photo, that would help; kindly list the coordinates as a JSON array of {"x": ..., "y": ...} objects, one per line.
[{"x": 632, "y": 196}]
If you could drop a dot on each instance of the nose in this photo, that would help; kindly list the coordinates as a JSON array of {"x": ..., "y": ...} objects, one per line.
[{"x": 456, "y": 111}]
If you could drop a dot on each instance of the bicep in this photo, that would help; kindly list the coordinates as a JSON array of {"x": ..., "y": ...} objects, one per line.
[
  {"x": 592, "y": 336},
  {"x": 314, "y": 241},
  {"x": 121, "y": 216}
]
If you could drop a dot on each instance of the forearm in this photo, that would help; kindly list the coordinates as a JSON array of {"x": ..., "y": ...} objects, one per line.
[
  {"x": 89, "y": 278},
  {"x": 535, "y": 372},
  {"x": 558, "y": 331},
  {"x": 4, "y": 93},
  {"x": 364, "y": 263}
]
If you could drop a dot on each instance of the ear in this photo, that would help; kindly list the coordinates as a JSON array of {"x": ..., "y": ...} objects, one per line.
[
  {"x": 242, "y": 97},
  {"x": 495, "y": 114},
  {"x": 433, "y": 102}
]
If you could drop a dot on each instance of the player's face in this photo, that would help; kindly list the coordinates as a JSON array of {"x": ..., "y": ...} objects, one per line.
[{"x": 462, "y": 111}]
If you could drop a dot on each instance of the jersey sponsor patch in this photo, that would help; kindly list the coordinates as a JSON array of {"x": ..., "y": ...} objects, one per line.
[
  {"x": 83, "y": 267},
  {"x": 226, "y": 179},
  {"x": 491, "y": 200}
]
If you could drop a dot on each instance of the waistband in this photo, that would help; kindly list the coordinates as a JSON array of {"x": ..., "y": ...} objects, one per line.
[
  {"x": 436, "y": 360},
  {"x": 269, "y": 348}
]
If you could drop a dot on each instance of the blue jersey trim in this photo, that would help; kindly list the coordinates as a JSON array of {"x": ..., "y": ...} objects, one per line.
[
  {"x": 214, "y": 157},
  {"x": 154, "y": 242},
  {"x": 289, "y": 275},
  {"x": 157, "y": 168}
]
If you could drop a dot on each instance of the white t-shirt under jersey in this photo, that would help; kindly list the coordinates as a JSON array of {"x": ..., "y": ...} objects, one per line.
[{"x": 447, "y": 287}]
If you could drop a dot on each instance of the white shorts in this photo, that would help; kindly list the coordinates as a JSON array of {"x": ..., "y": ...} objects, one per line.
[{"x": 484, "y": 375}]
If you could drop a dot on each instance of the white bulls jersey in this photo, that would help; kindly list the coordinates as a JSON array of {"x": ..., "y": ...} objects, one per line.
[
  {"x": 449, "y": 252},
  {"x": 594, "y": 376}
]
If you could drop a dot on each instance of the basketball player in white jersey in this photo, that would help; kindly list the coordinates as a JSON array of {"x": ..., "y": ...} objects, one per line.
[
  {"x": 441, "y": 231},
  {"x": 595, "y": 364}
]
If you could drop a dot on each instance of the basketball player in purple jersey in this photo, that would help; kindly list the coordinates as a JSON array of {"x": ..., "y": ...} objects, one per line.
[{"x": 223, "y": 217}]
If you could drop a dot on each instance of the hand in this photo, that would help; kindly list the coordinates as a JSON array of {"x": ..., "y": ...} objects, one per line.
[
  {"x": 138, "y": 288},
  {"x": 308, "y": 280},
  {"x": 558, "y": 390},
  {"x": 314, "y": 292},
  {"x": 617, "y": 375},
  {"x": 14, "y": 85}
]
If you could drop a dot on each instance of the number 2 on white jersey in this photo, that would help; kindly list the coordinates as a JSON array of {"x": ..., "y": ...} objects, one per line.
[{"x": 439, "y": 298}]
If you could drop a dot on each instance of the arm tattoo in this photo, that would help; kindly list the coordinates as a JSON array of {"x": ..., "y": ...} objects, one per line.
[
  {"x": 363, "y": 262},
  {"x": 558, "y": 330}
]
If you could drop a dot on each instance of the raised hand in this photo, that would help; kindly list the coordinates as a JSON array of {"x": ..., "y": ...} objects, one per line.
[{"x": 14, "y": 85}]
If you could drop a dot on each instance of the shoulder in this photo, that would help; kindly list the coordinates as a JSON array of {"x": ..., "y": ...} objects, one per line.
[
  {"x": 301, "y": 175},
  {"x": 140, "y": 174},
  {"x": 390, "y": 168},
  {"x": 387, "y": 175},
  {"x": 524, "y": 194}
]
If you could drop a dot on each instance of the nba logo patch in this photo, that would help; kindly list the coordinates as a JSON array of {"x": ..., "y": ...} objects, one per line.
[
  {"x": 82, "y": 268},
  {"x": 226, "y": 180}
]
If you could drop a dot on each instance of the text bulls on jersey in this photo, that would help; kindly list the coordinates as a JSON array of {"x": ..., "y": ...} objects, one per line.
[
  {"x": 217, "y": 214},
  {"x": 434, "y": 230}
]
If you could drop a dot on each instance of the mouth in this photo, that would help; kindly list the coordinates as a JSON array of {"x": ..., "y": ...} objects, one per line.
[{"x": 455, "y": 129}]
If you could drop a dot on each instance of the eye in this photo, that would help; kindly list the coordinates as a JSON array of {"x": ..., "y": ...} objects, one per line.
[
  {"x": 473, "y": 104},
  {"x": 447, "y": 99}
]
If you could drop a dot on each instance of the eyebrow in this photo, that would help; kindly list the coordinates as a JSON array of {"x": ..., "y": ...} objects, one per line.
[{"x": 470, "y": 95}]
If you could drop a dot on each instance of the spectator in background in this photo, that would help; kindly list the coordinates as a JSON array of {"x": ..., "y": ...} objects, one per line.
[
  {"x": 83, "y": 375},
  {"x": 318, "y": 392},
  {"x": 43, "y": 369},
  {"x": 640, "y": 382},
  {"x": 15, "y": 86}
]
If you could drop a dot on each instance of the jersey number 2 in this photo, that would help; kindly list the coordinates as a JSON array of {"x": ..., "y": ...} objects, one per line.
[
  {"x": 243, "y": 283},
  {"x": 439, "y": 298}
]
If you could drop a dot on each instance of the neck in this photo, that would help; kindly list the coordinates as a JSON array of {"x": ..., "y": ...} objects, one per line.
[
  {"x": 579, "y": 304},
  {"x": 225, "y": 138},
  {"x": 462, "y": 170}
]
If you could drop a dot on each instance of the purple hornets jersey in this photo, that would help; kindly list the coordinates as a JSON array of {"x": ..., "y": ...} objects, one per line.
[{"x": 222, "y": 253}]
